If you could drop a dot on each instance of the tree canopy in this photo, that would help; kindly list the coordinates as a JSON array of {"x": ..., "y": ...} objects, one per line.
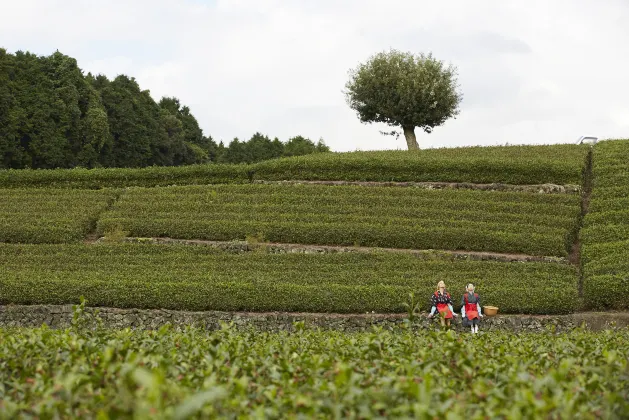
[
  {"x": 404, "y": 90},
  {"x": 54, "y": 116}
]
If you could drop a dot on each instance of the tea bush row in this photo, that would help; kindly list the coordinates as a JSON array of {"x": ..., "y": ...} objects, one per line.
[
  {"x": 605, "y": 235},
  {"x": 555, "y": 164},
  {"x": 537, "y": 224},
  {"x": 50, "y": 216},
  {"x": 203, "y": 278}
]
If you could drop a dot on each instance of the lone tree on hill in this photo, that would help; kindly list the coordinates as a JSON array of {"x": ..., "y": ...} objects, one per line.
[{"x": 404, "y": 90}]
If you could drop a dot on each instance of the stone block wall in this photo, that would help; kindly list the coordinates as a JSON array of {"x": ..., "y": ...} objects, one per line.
[{"x": 60, "y": 316}]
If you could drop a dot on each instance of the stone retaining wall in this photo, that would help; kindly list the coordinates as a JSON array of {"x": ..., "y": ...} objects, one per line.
[
  {"x": 536, "y": 188},
  {"x": 283, "y": 248},
  {"x": 60, "y": 316}
]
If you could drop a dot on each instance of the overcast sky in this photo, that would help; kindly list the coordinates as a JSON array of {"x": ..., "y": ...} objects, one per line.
[{"x": 536, "y": 71}]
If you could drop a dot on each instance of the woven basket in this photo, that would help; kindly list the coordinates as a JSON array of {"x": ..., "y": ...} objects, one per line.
[{"x": 490, "y": 310}]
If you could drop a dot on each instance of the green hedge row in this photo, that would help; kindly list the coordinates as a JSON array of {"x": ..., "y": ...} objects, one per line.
[
  {"x": 438, "y": 235},
  {"x": 537, "y": 224},
  {"x": 123, "y": 177},
  {"x": 239, "y": 373},
  {"x": 556, "y": 164},
  {"x": 203, "y": 278},
  {"x": 354, "y": 194},
  {"x": 50, "y": 216},
  {"x": 605, "y": 235}
]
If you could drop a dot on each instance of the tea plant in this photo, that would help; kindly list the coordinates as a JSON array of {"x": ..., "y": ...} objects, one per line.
[
  {"x": 50, "y": 216},
  {"x": 556, "y": 164},
  {"x": 202, "y": 278},
  {"x": 530, "y": 223},
  {"x": 78, "y": 373},
  {"x": 605, "y": 235}
]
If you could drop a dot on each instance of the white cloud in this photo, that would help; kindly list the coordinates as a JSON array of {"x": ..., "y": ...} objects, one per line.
[{"x": 530, "y": 72}]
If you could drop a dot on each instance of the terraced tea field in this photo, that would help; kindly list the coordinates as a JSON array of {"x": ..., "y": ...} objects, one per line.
[
  {"x": 50, "y": 216},
  {"x": 536, "y": 224},
  {"x": 201, "y": 278},
  {"x": 246, "y": 241},
  {"x": 219, "y": 203},
  {"x": 557, "y": 164},
  {"x": 606, "y": 229}
]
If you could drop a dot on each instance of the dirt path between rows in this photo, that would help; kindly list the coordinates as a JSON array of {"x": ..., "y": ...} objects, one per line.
[{"x": 279, "y": 248}]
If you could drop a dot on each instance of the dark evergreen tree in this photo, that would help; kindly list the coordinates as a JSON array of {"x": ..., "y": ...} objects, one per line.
[
  {"x": 236, "y": 152},
  {"x": 298, "y": 146},
  {"x": 200, "y": 148},
  {"x": 260, "y": 147},
  {"x": 53, "y": 116}
]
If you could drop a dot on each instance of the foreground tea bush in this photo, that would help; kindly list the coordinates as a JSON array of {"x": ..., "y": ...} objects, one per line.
[
  {"x": 556, "y": 164},
  {"x": 50, "y": 216},
  {"x": 312, "y": 374},
  {"x": 605, "y": 236},
  {"x": 202, "y": 278},
  {"x": 514, "y": 222}
]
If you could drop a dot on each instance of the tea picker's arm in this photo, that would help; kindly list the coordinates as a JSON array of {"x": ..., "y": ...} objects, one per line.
[{"x": 433, "y": 301}]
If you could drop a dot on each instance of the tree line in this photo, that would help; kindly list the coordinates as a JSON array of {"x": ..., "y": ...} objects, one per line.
[{"x": 54, "y": 116}]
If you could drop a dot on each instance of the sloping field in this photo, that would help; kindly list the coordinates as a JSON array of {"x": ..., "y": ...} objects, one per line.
[
  {"x": 605, "y": 235},
  {"x": 49, "y": 216},
  {"x": 230, "y": 208},
  {"x": 529, "y": 223},
  {"x": 557, "y": 164},
  {"x": 203, "y": 278}
]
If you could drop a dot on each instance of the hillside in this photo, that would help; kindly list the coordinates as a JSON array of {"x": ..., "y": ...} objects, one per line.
[
  {"x": 519, "y": 241},
  {"x": 520, "y": 165}
]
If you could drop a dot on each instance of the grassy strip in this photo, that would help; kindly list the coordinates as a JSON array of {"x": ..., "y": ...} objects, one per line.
[
  {"x": 520, "y": 165},
  {"x": 50, "y": 216},
  {"x": 201, "y": 278},
  {"x": 535, "y": 224}
]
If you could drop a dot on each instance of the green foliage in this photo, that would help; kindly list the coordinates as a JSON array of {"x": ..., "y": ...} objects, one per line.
[
  {"x": 311, "y": 374},
  {"x": 538, "y": 224},
  {"x": 404, "y": 90},
  {"x": 50, "y": 216},
  {"x": 260, "y": 148},
  {"x": 50, "y": 116},
  {"x": 605, "y": 246},
  {"x": 123, "y": 177},
  {"x": 201, "y": 149},
  {"x": 555, "y": 164},
  {"x": 202, "y": 278},
  {"x": 413, "y": 307},
  {"x": 300, "y": 146}
]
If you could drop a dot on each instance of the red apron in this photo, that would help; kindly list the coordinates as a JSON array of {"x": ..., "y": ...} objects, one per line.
[
  {"x": 471, "y": 311},
  {"x": 443, "y": 308}
]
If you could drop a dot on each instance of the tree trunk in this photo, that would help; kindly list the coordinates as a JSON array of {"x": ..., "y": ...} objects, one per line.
[{"x": 411, "y": 140}]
